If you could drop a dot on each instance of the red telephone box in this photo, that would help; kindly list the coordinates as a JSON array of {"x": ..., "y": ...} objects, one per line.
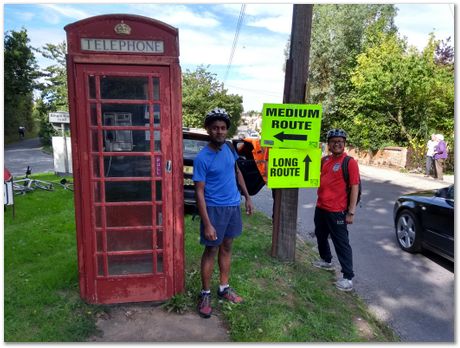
[{"x": 124, "y": 84}]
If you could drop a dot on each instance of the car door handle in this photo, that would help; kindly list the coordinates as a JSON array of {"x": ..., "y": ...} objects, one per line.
[{"x": 168, "y": 166}]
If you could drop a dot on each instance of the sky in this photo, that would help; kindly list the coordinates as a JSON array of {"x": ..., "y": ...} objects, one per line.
[{"x": 207, "y": 33}]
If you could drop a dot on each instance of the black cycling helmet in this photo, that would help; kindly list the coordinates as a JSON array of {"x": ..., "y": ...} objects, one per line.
[
  {"x": 336, "y": 132},
  {"x": 217, "y": 114}
]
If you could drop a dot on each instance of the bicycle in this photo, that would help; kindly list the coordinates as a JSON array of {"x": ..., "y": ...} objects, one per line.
[{"x": 26, "y": 184}]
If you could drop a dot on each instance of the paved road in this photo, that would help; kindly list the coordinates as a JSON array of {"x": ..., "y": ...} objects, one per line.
[
  {"x": 414, "y": 294},
  {"x": 25, "y": 153}
]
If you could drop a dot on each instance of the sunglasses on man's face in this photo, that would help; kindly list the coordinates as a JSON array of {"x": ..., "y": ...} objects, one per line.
[{"x": 337, "y": 142}]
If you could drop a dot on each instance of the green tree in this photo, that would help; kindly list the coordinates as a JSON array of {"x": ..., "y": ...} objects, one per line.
[
  {"x": 53, "y": 89},
  {"x": 339, "y": 34},
  {"x": 201, "y": 92},
  {"x": 445, "y": 57},
  {"x": 400, "y": 96},
  {"x": 21, "y": 72}
]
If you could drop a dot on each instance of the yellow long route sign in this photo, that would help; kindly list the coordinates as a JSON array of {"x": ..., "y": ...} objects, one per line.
[
  {"x": 293, "y": 168},
  {"x": 295, "y": 126}
]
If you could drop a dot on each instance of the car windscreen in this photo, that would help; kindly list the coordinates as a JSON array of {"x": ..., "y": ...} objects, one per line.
[
  {"x": 446, "y": 192},
  {"x": 193, "y": 146}
]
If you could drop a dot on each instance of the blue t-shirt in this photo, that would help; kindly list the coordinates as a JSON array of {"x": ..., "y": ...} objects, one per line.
[{"x": 217, "y": 171}]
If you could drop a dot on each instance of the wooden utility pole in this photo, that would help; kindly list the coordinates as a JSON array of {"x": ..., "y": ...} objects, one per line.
[{"x": 295, "y": 83}]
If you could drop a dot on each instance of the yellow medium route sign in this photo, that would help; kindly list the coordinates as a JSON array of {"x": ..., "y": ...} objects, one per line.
[
  {"x": 293, "y": 168},
  {"x": 291, "y": 125}
]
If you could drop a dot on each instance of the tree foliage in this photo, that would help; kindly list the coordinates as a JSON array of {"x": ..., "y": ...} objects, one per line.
[
  {"x": 21, "y": 72},
  {"x": 202, "y": 92},
  {"x": 339, "y": 34},
  {"x": 400, "y": 95},
  {"x": 372, "y": 84},
  {"x": 53, "y": 89}
]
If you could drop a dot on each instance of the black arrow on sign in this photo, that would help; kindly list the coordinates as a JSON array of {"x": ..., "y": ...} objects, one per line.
[
  {"x": 307, "y": 161},
  {"x": 281, "y": 136}
]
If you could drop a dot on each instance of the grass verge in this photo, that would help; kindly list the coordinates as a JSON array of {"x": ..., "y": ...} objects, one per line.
[
  {"x": 284, "y": 302},
  {"x": 41, "y": 297}
]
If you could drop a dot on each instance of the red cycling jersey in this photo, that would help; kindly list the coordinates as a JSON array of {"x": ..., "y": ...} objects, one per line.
[{"x": 332, "y": 191}]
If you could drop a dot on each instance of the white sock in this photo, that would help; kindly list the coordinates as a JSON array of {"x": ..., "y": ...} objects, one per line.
[
  {"x": 205, "y": 291},
  {"x": 223, "y": 287}
]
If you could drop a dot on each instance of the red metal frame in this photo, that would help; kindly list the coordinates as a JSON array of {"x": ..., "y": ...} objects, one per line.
[{"x": 92, "y": 214}]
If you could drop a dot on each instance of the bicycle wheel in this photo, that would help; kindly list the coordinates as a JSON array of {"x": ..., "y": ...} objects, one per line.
[
  {"x": 67, "y": 185},
  {"x": 43, "y": 185},
  {"x": 19, "y": 189},
  {"x": 22, "y": 186}
]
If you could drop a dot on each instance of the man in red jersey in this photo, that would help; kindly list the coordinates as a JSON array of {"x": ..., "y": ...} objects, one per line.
[{"x": 335, "y": 208}]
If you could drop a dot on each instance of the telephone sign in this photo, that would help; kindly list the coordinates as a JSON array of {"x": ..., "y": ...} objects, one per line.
[
  {"x": 291, "y": 125},
  {"x": 294, "y": 168}
]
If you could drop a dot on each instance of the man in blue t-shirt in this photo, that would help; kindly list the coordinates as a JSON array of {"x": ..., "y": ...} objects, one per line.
[{"x": 216, "y": 174}]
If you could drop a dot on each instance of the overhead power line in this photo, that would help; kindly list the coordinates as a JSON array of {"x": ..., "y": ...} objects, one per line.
[
  {"x": 235, "y": 39},
  {"x": 259, "y": 91}
]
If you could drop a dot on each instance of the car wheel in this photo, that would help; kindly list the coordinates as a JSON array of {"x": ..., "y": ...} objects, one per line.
[{"x": 408, "y": 232}]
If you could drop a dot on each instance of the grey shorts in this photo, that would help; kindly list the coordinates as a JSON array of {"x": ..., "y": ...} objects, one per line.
[{"x": 227, "y": 222}]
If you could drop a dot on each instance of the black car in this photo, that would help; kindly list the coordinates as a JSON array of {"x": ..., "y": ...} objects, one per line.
[
  {"x": 194, "y": 140},
  {"x": 425, "y": 220}
]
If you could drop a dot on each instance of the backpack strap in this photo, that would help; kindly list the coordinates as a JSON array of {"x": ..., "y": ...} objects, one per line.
[
  {"x": 346, "y": 175},
  {"x": 232, "y": 148}
]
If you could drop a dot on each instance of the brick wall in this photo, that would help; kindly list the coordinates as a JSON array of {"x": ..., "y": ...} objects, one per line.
[{"x": 392, "y": 156}]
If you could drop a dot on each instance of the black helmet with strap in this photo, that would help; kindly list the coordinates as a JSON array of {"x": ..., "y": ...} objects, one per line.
[
  {"x": 217, "y": 114},
  {"x": 336, "y": 132}
]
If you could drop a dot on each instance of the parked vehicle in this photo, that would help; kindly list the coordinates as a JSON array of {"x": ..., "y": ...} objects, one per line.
[
  {"x": 425, "y": 220},
  {"x": 242, "y": 135},
  {"x": 253, "y": 134},
  {"x": 196, "y": 139},
  {"x": 193, "y": 141}
]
